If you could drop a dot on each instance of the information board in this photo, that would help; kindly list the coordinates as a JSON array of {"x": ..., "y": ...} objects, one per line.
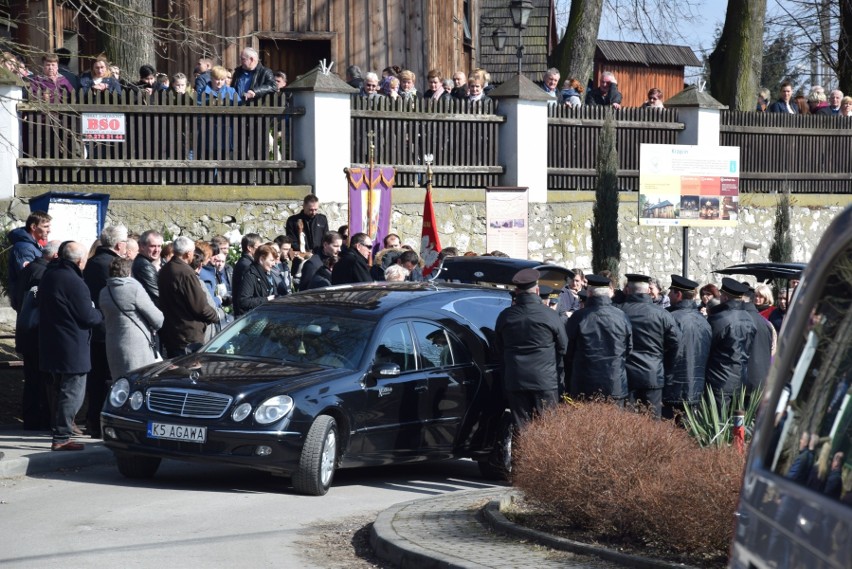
[
  {"x": 685, "y": 185},
  {"x": 506, "y": 215}
]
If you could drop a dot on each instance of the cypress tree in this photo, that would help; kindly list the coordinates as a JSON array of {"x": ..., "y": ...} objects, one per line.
[
  {"x": 606, "y": 246},
  {"x": 781, "y": 250}
]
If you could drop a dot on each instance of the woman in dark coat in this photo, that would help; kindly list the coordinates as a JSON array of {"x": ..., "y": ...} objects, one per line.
[
  {"x": 322, "y": 277},
  {"x": 257, "y": 285}
]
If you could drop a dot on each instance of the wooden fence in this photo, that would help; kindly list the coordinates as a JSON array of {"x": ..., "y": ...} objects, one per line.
[
  {"x": 462, "y": 137},
  {"x": 572, "y": 143},
  {"x": 803, "y": 153},
  {"x": 169, "y": 140}
]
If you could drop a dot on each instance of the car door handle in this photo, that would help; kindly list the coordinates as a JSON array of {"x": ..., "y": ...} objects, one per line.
[{"x": 422, "y": 387}]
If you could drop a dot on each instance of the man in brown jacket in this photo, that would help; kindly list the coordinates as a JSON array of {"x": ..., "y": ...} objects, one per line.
[{"x": 183, "y": 301}]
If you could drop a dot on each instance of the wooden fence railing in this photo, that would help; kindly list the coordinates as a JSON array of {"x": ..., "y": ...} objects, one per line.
[
  {"x": 572, "y": 143},
  {"x": 462, "y": 137},
  {"x": 169, "y": 140},
  {"x": 803, "y": 153}
]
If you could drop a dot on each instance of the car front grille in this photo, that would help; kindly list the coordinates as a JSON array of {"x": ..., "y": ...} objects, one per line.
[{"x": 188, "y": 402}]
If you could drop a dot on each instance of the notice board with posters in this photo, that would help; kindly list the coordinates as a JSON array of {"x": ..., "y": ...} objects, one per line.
[
  {"x": 506, "y": 216},
  {"x": 684, "y": 185}
]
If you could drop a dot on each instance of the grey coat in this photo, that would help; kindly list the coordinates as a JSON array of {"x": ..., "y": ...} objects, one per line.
[{"x": 128, "y": 334}]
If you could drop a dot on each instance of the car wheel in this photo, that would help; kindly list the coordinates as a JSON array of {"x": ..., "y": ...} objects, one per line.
[
  {"x": 319, "y": 458},
  {"x": 135, "y": 466}
]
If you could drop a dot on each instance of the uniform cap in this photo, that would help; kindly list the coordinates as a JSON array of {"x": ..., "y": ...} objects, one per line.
[
  {"x": 544, "y": 291},
  {"x": 597, "y": 280},
  {"x": 583, "y": 295},
  {"x": 634, "y": 278},
  {"x": 683, "y": 283},
  {"x": 733, "y": 288},
  {"x": 526, "y": 278}
]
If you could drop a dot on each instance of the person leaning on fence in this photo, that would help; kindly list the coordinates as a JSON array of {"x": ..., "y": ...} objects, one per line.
[
  {"x": 98, "y": 79},
  {"x": 252, "y": 80},
  {"x": 785, "y": 103},
  {"x": 550, "y": 84},
  {"x": 50, "y": 87},
  {"x": 572, "y": 93},
  {"x": 436, "y": 90},
  {"x": 655, "y": 99},
  {"x": 606, "y": 93}
]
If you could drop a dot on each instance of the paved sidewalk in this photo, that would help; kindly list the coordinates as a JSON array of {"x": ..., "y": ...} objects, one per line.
[
  {"x": 446, "y": 532},
  {"x": 28, "y": 452}
]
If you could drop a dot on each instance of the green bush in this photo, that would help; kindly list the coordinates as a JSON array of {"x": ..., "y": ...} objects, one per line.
[
  {"x": 712, "y": 426},
  {"x": 623, "y": 475}
]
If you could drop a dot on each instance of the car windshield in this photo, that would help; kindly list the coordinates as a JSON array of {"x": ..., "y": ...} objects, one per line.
[{"x": 293, "y": 336}]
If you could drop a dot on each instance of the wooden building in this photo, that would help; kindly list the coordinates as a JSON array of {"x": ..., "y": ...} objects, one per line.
[
  {"x": 639, "y": 67},
  {"x": 291, "y": 35}
]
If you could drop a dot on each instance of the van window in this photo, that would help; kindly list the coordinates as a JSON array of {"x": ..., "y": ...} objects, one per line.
[{"x": 812, "y": 439}]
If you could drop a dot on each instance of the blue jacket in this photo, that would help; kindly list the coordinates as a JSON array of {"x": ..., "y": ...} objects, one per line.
[
  {"x": 25, "y": 250},
  {"x": 66, "y": 318}
]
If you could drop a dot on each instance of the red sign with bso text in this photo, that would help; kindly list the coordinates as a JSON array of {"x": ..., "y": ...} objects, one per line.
[{"x": 104, "y": 126}]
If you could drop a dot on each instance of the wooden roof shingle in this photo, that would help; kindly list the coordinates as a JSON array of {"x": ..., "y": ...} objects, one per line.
[
  {"x": 539, "y": 40},
  {"x": 646, "y": 53}
]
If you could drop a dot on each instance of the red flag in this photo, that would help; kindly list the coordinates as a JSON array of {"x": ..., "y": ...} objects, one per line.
[{"x": 430, "y": 243}]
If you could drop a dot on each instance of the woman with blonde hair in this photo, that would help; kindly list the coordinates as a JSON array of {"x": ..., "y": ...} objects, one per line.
[{"x": 764, "y": 300}]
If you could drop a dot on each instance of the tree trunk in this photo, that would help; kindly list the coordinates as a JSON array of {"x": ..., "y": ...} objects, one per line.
[
  {"x": 128, "y": 36},
  {"x": 844, "y": 50},
  {"x": 735, "y": 63},
  {"x": 575, "y": 54}
]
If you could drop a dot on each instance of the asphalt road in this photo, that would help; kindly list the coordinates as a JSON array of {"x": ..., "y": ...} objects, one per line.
[{"x": 193, "y": 515}]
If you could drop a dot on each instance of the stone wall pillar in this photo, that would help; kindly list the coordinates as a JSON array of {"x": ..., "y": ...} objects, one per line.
[
  {"x": 323, "y": 136},
  {"x": 523, "y": 137},
  {"x": 11, "y": 93}
]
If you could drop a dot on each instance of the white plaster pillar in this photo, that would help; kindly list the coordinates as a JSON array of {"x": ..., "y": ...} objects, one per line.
[
  {"x": 11, "y": 93},
  {"x": 523, "y": 137},
  {"x": 322, "y": 137},
  {"x": 700, "y": 115}
]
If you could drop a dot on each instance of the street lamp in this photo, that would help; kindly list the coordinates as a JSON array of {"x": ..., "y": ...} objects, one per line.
[
  {"x": 520, "y": 10},
  {"x": 499, "y": 37}
]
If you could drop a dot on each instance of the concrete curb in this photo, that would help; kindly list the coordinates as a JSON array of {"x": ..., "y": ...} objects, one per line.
[
  {"x": 403, "y": 554},
  {"x": 493, "y": 516},
  {"x": 48, "y": 461}
]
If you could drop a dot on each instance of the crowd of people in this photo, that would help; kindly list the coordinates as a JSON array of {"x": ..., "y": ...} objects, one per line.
[
  {"x": 634, "y": 345},
  {"x": 132, "y": 299},
  {"x": 251, "y": 80},
  {"x": 816, "y": 102}
]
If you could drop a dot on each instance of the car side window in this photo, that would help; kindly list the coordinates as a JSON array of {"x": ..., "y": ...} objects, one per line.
[
  {"x": 439, "y": 347},
  {"x": 396, "y": 346},
  {"x": 433, "y": 344},
  {"x": 812, "y": 438}
]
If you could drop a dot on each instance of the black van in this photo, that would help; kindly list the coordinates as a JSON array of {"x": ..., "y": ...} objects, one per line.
[{"x": 796, "y": 502}]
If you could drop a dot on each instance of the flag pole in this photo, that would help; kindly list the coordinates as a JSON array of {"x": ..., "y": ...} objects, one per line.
[{"x": 371, "y": 135}]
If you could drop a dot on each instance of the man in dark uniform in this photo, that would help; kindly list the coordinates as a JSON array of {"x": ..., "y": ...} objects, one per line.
[
  {"x": 685, "y": 381},
  {"x": 733, "y": 335},
  {"x": 532, "y": 339},
  {"x": 599, "y": 340},
  {"x": 656, "y": 339}
]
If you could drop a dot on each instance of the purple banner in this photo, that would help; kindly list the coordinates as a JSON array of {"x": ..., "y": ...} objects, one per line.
[{"x": 370, "y": 202}]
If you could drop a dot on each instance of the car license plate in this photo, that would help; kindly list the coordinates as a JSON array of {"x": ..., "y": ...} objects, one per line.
[{"x": 186, "y": 433}]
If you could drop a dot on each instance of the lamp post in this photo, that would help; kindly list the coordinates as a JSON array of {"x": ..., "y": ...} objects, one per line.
[{"x": 520, "y": 10}]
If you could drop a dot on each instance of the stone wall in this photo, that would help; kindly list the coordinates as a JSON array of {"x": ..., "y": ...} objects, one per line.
[{"x": 559, "y": 230}]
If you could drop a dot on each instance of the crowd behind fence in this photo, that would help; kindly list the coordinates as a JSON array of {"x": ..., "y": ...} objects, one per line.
[{"x": 172, "y": 140}]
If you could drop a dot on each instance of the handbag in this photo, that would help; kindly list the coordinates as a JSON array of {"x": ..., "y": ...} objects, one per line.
[{"x": 152, "y": 343}]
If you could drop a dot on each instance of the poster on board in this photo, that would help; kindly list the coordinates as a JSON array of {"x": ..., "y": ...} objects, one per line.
[
  {"x": 683, "y": 185},
  {"x": 506, "y": 215}
]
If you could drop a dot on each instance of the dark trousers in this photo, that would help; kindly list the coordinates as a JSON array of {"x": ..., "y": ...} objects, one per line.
[
  {"x": 526, "y": 404},
  {"x": 36, "y": 403},
  {"x": 652, "y": 398},
  {"x": 96, "y": 387},
  {"x": 676, "y": 410},
  {"x": 71, "y": 390}
]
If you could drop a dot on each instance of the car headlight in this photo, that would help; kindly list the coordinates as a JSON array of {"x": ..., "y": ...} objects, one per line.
[
  {"x": 273, "y": 409},
  {"x": 119, "y": 393},
  {"x": 136, "y": 400},
  {"x": 241, "y": 412}
]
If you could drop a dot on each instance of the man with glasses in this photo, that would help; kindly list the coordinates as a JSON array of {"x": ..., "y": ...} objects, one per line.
[
  {"x": 353, "y": 266},
  {"x": 147, "y": 263},
  {"x": 606, "y": 93}
]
